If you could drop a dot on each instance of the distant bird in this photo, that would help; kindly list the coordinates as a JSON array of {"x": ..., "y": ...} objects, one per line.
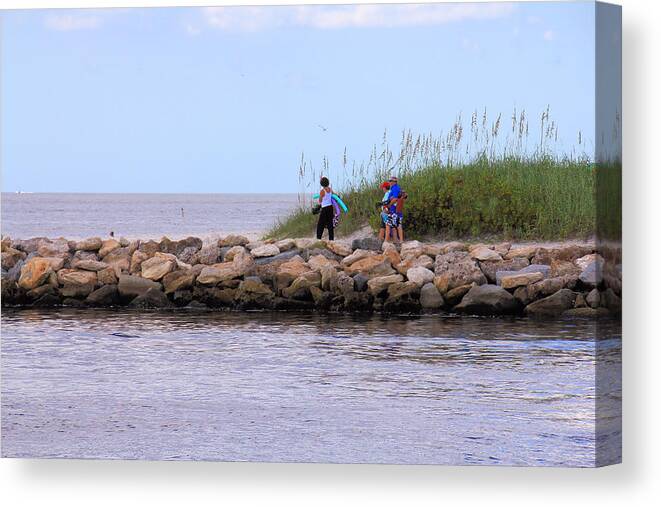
[{"x": 322, "y": 128}]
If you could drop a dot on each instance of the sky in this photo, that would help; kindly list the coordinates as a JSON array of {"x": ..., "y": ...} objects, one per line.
[{"x": 227, "y": 99}]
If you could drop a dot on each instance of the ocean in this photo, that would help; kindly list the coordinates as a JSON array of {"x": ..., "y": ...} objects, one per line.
[{"x": 142, "y": 216}]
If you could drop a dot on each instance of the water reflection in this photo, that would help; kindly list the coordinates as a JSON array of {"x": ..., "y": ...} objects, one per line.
[{"x": 302, "y": 387}]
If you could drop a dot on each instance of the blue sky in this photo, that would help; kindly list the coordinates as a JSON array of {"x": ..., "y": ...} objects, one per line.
[{"x": 227, "y": 99}]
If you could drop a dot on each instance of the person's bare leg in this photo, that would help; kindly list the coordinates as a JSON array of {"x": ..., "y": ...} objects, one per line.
[
  {"x": 400, "y": 230},
  {"x": 382, "y": 233},
  {"x": 388, "y": 232}
]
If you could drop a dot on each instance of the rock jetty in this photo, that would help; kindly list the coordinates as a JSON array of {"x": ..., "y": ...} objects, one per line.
[{"x": 364, "y": 275}]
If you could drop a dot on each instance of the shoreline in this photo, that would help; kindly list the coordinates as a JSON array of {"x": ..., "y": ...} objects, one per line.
[{"x": 359, "y": 275}]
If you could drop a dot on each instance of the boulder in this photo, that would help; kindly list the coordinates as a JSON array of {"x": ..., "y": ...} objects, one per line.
[
  {"x": 391, "y": 252},
  {"x": 432, "y": 249},
  {"x": 403, "y": 297},
  {"x": 289, "y": 271},
  {"x": 285, "y": 244},
  {"x": 413, "y": 262},
  {"x": 454, "y": 296},
  {"x": 591, "y": 276},
  {"x": 76, "y": 290},
  {"x": 593, "y": 299},
  {"x": 153, "y": 298},
  {"x": 34, "y": 273},
  {"x": 108, "y": 295},
  {"x": 553, "y": 305},
  {"x": 411, "y": 249},
  {"x": 158, "y": 266},
  {"x": 243, "y": 261},
  {"x": 233, "y": 240},
  {"x": 119, "y": 259},
  {"x": 430, "y": 298},
  {"x": 420, "y": 276},
  {"x": 265, "y": 251},
  {"x": 137, "y": 258},
  {"x": 611, "y": 301},
  {"x": 380, "y": 284},
  {"x": 582, "y": 262},
  {"x": 525, "y": 251},
  {"x": 375, "y": 265},
  {"x": 322, "y": 299},
  {"x": 216, "y": 273},
  {"x": 502, "y": 248},
  {"x": 106, "y": 276},
  {"x": 280, "y": 258},
  {"x": 360, "y": 282},
  {"x": 231, "y": 252},
  {"x": 189, "y": 255},
  {"x": 586, "y": 313},
  {"x": 76, "y": 277},
  {"x": 342, "y": 284},
  {"x": 253, "y": 294},
  {"x": 10, "y": 256},
  {"x": 57, "y": 248},
  {"x": 356, "y": 256},
  {"x": 89, "y": 244},
  {"x": 369, "y": 243},
  {"x": 324, "y": 252},
  {"x": 108, "y": 246},
  {"x": 28, "y": 245},
  {"x": 564, "y": 253},
  {"x": 562, "y": 268},
  {"x": 319, "y": 261},
  {"x": 490, "y": 268},
  {"x": 178, "y": 280},
  {"x": 550, "y": 286},
  {"x": 308, "y": 243},
  {"x": 482, "y": 253},
  {"x": 532, "y": 268},
  {"x": 214, "y": 297},
  {"x": 88, "y": 264},
  {"x": 339, "y": 248},
  {"x": 328, "y": 274},
  {"x": 208, "y": 255},
  {"x": 354, "y": 302},
  {"x": 487, "y": 300},
  {"x": 521, "y": 279},
  {"x": 149, "y": 247},
  {"x": 454, "y": 246},
  {"x": 300, "y": 288},
  {"x": 130, "y": 286},
  {"x": 455, "y": 269}
]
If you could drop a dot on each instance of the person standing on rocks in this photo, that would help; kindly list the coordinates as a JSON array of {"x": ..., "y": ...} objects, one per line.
[
  {"x": 396, "y": 211},
  {"x": 327, "y": 212}
]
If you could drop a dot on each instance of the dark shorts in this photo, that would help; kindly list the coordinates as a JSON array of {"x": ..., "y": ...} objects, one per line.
[{"x": 395, "y": 219}]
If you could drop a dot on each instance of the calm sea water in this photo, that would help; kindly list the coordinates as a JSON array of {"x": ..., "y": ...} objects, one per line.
[
  {"x": 143, "y": 216},
  {"x": 304, "y": 387}
]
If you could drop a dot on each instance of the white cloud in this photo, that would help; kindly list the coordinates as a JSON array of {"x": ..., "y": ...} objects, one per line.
[
  {"x": 250, "y": 19},
  {"x": 549, "y": 35},
  {"x": 69, "y": 22}
]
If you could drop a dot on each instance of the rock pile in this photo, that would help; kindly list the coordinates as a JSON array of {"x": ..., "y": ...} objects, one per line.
[{"x": 306, "y": 274}]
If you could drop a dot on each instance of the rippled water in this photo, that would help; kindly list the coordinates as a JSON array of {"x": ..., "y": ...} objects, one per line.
[
  {"x": 141, "y": 216},
  {"x": 301, "y": 387}
]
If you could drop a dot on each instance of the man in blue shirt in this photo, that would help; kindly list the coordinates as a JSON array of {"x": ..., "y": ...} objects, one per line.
[{"x": 394, "y": 219}]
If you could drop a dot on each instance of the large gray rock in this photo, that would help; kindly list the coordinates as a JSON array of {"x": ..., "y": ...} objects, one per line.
[
  {"x": 282, "y": 257},
  {"x": 591, "y": 276},
  {"x": 403, "y": 297},
  {"x": 253, "y": 294},
  {"x": 130, "y": 286},
  {"x": 420, "y": 275},
  {"x": 153, "y": 298},
  {"x": 430, "y": 298},
  {"x": 360, "y": 282},
  {"x": 369, "y": 243},
  {"x": 90, "y": 244},
  {"x": 208, "y": 255},
  {"x": 553, "y": 305},
  {"x": 487, "y": 300},
  {"x": 108, "y": 295}
]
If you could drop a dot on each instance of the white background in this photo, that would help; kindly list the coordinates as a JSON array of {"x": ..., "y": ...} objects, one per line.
[{"x": 636, "y": 482}]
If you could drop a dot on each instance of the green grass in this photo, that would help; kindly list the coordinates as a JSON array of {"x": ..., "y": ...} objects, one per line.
[
  {"x": 510, "y": 198},
  {"x": 476, "y": 185}
]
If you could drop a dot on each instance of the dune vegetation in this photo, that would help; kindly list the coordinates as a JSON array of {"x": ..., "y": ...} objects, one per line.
[{"x": 490, "y": 181}]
